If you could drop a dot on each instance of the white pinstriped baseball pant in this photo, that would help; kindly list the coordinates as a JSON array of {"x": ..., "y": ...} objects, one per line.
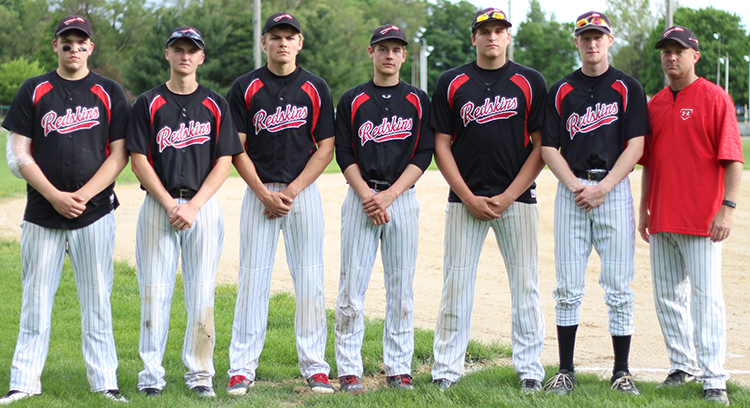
[
  {"x": 158, "y": 247},
  {"x": 359, "y": 247},
  {"x": 610, "y": 228},
  {"x": 43, "y": 252},
  {"x": 686, "y": 271},
  {"x": 516, "y": 235},
  {"x": 303, "y": 235}
]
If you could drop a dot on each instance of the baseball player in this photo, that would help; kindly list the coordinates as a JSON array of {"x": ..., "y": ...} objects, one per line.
[
  {"x": 593, "y": 135},
  {"x": 487, "y": 116},
  {"x": 181, "y": 141},
  {"x": 692, "y": 167},
  {"x": 284, "y": 116},
  {"x": 384, "y": 144},
  {"x": 67, "y": 131}
]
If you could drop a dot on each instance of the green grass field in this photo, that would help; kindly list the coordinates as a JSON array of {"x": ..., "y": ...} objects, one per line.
[{"x": 279, "y": 383}]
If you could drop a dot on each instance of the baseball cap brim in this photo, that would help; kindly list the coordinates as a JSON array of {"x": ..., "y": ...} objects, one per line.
[
  {"x": 393, "y": 37},
  {"x": 660, "y": 43},
  {"x": 198, "y": 43},
  {"x": 604, "y": 30}
]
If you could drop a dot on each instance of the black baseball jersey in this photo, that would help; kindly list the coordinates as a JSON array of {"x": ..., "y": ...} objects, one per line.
[
  {"x": 383, "y": 130},
  {"x": 491, "y": 115},
  {"x": 182, "y": 135},
  {"x": 283, "y": 117},
  {"x": 590, "y": 118},
  {"x": 71, "y": 124}
]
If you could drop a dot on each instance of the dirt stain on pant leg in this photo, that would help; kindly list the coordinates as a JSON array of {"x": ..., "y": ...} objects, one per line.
[{"x": 203, "y": 338}]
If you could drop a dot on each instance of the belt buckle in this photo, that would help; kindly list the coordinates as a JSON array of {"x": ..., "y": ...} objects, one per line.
[
  {"x": 184, "y": 193},
  {"x": 380, "y": 185},
  {"x": 596, "y": 174}
]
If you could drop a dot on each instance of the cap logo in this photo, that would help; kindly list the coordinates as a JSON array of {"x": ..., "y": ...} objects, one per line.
[
  {"x": 72, "y": 20},
  {"x": 389, "y": 28},
  {"x": 671, "y": 30},
  {"x": 285, "y": 15}
]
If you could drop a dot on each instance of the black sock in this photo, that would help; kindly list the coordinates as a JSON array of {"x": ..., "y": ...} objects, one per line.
[
  {"x": 621, "y": 346},
  {"x": 566, "y": 343}
]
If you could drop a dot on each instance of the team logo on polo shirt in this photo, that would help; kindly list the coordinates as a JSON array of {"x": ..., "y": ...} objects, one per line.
[
  {"x": 686, "y": 113},
  {"x": 82, "y": 118},
  {"x": 499, "y": 108},
  {"x": 291, "y": 117},
  {"x": 595, "y": 117},
  {"x": 395, "y": 129},
  {"x": 194, "y": 133}
]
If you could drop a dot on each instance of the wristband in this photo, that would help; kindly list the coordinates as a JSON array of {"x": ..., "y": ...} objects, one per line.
[{"x": 730, "y": 204}]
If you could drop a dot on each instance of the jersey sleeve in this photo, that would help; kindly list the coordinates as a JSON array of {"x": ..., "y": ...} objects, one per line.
[
  {"x": 343, "y": 141},
  {"x": 228, "y": 142},
  {"x": 20, "y": 118},
  {"x": 324, "y": 127},
  {"x": 727, "y": 130},
  {"x": 538, "y": 107},
  {"x": 551, "y": 132},
  {"x": 441, "y": 118},
  {"x": 139, "y": 127},
  {"x": 425, "y": 147},
  {"x": 636, "y": 115},
  {"x": 238, "y": 110},
  {"x": 118, "y": 125}
]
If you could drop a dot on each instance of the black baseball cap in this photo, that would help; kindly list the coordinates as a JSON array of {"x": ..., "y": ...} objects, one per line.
[
  {"x": 489, "y": 14},
  {"x": 681, "y": 35},
  {"x": 73, "y": 23},
  {"x": 388, "y": 32},
  {"x": 593, "y": 20},
  {"x": 190, "y": 33},
  {"x": 279, "y": 19}
]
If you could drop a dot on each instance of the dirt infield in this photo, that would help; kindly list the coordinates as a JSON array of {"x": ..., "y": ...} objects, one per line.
[{"x": 491, "y": 320}]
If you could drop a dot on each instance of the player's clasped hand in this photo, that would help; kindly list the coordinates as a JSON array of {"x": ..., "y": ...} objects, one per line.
[
  {"x": 69, "y": 205},
  {"x": 183, "y": 216},
  {"x": 589, "y": 197},
  {"x": 277, "y": 205},
  {"x": 380, "y": 218},
  {"x": 481, "y": 208},
  {"x": 378, "y": 203}
]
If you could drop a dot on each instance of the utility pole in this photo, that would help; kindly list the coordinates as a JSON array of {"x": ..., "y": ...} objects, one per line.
[{"x": 256, "y": 33}]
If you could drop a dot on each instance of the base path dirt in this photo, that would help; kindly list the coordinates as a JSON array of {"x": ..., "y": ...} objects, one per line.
[{"x": 491, "y": 319}]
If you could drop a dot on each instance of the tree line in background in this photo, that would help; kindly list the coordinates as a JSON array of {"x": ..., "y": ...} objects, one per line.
[{"x": 129, "y": 37}]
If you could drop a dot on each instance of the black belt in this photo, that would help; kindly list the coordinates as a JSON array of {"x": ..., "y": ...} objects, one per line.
[
  {"x": 379, "y": 185},
  {"x": 592, "y": 174},
  {"x": 183, "y": 193}
]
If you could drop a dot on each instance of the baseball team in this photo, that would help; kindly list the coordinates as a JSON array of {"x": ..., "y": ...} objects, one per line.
[{"x": 492, "y": 126}]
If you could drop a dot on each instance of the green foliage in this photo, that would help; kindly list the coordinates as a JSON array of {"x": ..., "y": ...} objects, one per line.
[
  {"x": 545, "y": 45},
  {"x": 704, "y": 23},
  {"x": 449, "y": 31},
  {"x": 24, "y": 31},
  {"x": 12, "y": 75},
  {"x": 632, "y": 22}
]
